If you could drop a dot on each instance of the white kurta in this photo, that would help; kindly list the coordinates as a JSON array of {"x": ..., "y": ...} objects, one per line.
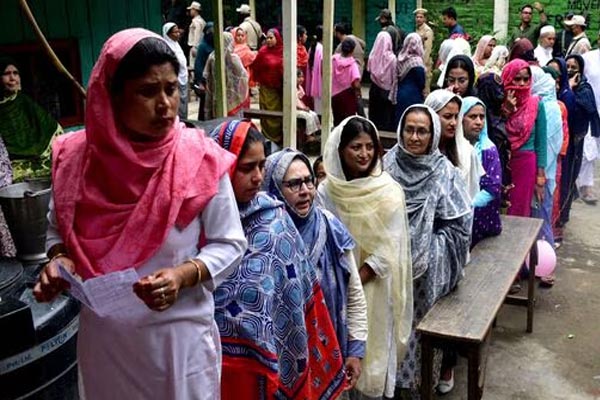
[
  {"x": 174, "y": 354},
  {"x": 591, "y": 146}
]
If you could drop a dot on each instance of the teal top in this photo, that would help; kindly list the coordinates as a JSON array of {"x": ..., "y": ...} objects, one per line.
[{"x": 538, "y": 138}]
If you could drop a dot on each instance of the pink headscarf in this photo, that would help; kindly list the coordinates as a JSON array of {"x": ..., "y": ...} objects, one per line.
[
  {"x": 117, "y": 200},
  {"x": 344, "y": 72},
  {"x": 382, "y": 61},
  {"x": 480, "y": 51},
  {"x": 520, "y": 123}
]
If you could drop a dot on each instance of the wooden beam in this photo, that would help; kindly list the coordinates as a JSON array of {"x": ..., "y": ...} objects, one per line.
[
  {"x": 392, "y": 8},
  {"x": 289, "y": 12},
  {"x": 358, "y": 18},
  {"x": 252, "y": 4},
  {"x": 327, "y": 116},
  {"x": 220, "y": 85}
]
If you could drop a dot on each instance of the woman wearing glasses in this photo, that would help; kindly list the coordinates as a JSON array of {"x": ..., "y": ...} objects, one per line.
[
  {"x": 289, "y": 178},
  {"x": 270, "y": 311},
  {"x": 526, "y": 130},
  {"x": 371, "y": 205},
  {"x": 440, "y": 217}
]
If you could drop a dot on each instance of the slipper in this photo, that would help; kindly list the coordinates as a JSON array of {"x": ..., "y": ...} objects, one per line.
[
  {"x": 445, "y": 387},
  {"x": 514, "y": 288},
  {"x": 590, "y": 200},
  {"x": 547, "y": 281}
]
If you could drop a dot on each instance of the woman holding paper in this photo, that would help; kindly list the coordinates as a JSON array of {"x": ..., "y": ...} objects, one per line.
[{"x": 136, "y": 189}]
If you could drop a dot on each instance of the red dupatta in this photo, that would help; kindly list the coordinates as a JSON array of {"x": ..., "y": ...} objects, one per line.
[
  {"x": 520, "y": 123},
  {"x": 268, "y": 65}
]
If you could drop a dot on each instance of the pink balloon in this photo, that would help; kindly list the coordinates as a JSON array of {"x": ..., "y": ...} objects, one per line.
[{"x": 546, "y": 259}]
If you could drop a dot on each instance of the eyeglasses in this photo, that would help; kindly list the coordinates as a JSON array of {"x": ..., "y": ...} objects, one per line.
[
  {"x": 452, "y": 80},
  {"x": 296, "y": 184},
  {"x": 422, "y": 133}
]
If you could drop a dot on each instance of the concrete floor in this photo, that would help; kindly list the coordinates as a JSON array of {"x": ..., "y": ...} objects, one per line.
[{"x": 560, "y": 360}]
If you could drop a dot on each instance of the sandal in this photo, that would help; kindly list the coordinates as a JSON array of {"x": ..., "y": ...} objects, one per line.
[
  {"x": 515, "y": 288},
  {"x": 547, "y": 281}
]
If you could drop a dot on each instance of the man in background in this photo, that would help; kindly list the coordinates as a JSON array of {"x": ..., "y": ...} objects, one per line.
[
  {"x": 196, "y": 30},
  {"x": 426, "y": 33},
  {"x": 387, "y": 24},
  {"x": 251, "y": 27},
  {"x": 563, "y": 38},
  {"x": 580, "y": 43},
  {"x": 526, "y": 28},
  {"x": 543, "y": 51},
  {"x": 343, "y": 31},
  {"x": 450, "y": 21}
]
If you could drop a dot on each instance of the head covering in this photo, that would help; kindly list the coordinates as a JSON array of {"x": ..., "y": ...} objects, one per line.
[
  {"x": 483, "y": 142},
  {"x": 547, "y": 29},
  {"x": 434, "y": 193},
  {"x": 420, "y": 11},
  {"x": 268, "y": 65},
  {"x": 544, "y": 86},
  {"x": 497, "y": 60},
  {"x": 459, "y": 46},
  {"x": 384, "y": 13},
  {"x": 483, "y": 43},
  {"x": 469, "y": 164},
  {"x": 246, "y": 54},
  {"x": 554, "y": 73},
  {"x": 236, "y": 76},
  {"x": 520, "y": 123},
  {"x": 344, "y": 72},
  {"x": 523, "y": 49},
  {"x": 231, "y": 136},
  {"x": 444, "y": 51},
  {"x": 411, "y": 55},
  {"x": 576, "y": 20},
  {"x": 565, "y": 94},
  {"x": 490, "y": 91},
  {"x": 382, "y": 61},
  {"x": 244, "y": 9},
  {"x": 373, "y": 210},
  {"x": 26, "y": 128},
  {"x": 182, "y": 77},
  {"x": 195, "y": 6},
  {"x": 470, "y": 71},
  {"x": 108, "y": 189}
]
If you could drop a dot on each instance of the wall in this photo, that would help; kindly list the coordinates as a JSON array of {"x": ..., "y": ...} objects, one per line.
[{"x": 90, "y": 22}]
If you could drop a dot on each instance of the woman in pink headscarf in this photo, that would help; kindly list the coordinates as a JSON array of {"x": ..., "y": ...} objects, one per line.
[
  {"x": 143, "y": 206},
  {"x": 382, "y": 67},
  {"x": 345, "y": 83},
  {"x": 485, "y": 46},
  {"x": 526, "y": 130}
]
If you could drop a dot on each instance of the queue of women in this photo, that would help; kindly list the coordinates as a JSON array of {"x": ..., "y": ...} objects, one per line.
[{"x": 258, "y": 280}]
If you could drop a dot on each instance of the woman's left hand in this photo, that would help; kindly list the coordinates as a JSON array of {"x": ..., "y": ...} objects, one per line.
[
  {"x": 539, "y": 193},
  {"x": 353, "y": 371},
  {"x": 160, "y": 290}
]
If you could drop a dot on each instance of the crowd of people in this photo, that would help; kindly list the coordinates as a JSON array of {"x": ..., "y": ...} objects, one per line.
[{"x": 264, "y": 275}]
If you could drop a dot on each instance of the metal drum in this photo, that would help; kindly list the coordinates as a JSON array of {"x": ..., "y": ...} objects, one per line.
[{"x": 25, "y": 206}]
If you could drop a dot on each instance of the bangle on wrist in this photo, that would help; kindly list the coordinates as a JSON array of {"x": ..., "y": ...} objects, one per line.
[{"x": 198, "y": 269}]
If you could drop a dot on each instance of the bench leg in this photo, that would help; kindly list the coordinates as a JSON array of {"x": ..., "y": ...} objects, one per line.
[
  {"x": 474, "y": 359},
  {"x": 533, "y": 260},
  {"x": 426, "y": 368}
]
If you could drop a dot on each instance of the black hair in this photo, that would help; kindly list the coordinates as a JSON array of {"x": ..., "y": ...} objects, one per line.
[
  {"x": 316, "y": 163},
  {"x": 253, "y": 136},
  {"x": 466, "y": 64},
  {"x": 343, "y": 28},
  {"x": 300, "y": 30},
  {"x": 450, "y": 147},
  {"x": 579, "y": 60},
  {"x": 348, "y": 46},
  {"x": 450, "y": 12},
  {"x": 418, "y": 110},
  {"x": 526, "y": 6},
  {"x": 353, "y": 128},
  {"x": 146, "y": 53},
  {"x": 317, "y": 38}
]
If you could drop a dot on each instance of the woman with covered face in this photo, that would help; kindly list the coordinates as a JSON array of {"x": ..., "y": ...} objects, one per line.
[
  {"x": 289, "y": 178},
  {"x": 526, "y": 128},
  {"x": 371, "y": 205},
  {"x": 270, "y": 310},
  {"x": 137, "y": 189},
  {"x": 440, "y": 219}
]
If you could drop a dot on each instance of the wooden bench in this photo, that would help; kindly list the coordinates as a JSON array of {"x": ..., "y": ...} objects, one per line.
[
  {"x": 255, "y": 113},
  {"x": 464, "y": 318},
  {"x": 388, "y": 139}
]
